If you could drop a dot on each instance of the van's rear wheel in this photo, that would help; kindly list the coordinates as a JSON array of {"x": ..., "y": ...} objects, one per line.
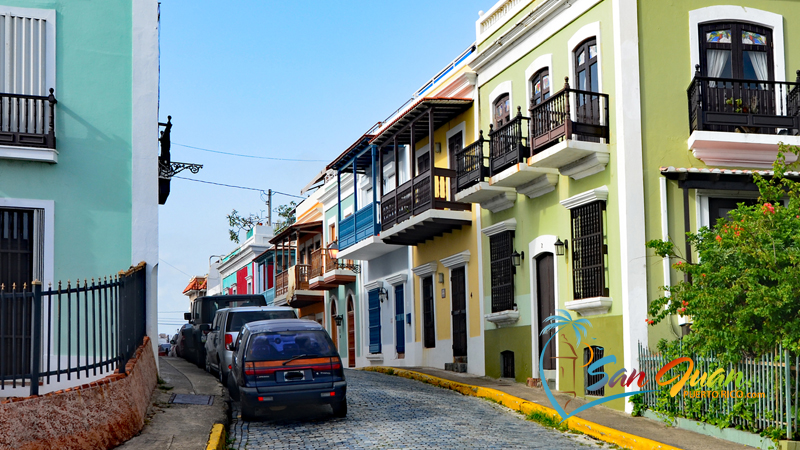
[{"x": 340, "y": 408}]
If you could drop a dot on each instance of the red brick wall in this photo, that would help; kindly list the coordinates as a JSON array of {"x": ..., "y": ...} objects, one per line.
[{"x": 99, "y": 415}]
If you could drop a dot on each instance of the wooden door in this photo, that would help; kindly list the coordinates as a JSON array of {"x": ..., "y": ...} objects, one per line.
[
  {"x": 334, "y": 328},
  {"x": 351, "y": 334},
  {"x": 459, "y": 312},
  {"x": 545, "y": 306},
  {"x": 427, "y": 313},
  {"x": 399, "y": 319},
  {"x": 587, "y": 80}
]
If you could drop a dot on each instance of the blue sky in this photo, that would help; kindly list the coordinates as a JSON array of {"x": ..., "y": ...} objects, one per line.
[{"x": 299, "y": 80}]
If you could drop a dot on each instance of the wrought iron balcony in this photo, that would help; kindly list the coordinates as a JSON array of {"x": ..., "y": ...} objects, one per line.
[
  {"x": 28, "y": 120},
  {"x": 508, "y": 145},
  {"x": 569, "y": 114},
  {"x": 471, "y": 164},
  {"x": 744, "y": 106}
]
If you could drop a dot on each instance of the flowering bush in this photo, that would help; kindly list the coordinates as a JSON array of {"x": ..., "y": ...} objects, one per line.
[{"x": 744, "y": 293}]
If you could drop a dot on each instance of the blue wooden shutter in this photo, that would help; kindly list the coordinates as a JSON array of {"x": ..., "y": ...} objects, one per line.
[
  {"x": 374, "y": 321},
  {"x": 400, "y": 319}
]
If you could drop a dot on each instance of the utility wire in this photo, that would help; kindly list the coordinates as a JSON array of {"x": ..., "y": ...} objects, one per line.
[
  {"x": 238, "y": 187},
  {"x": 249, "y": 156},
  {"x": 179, "y": 270}
]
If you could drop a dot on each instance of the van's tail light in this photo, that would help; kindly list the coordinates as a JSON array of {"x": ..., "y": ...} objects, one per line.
[
  {"x": 228, "y": 339},
  {"x": 336, "y": 367}
]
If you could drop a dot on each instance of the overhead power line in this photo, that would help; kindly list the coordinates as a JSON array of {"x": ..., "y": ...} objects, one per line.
[
  {"x": 238, "y": 187},
  {"x": 249, "y": 156}
]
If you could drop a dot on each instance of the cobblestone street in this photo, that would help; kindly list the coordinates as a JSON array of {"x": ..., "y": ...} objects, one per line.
[{"x": 393, "y": 412}]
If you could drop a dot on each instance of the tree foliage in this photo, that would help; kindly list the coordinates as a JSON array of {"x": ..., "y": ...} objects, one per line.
[
  {"x": 239, "y": 223},
  {"x": 744, "y": 293}
]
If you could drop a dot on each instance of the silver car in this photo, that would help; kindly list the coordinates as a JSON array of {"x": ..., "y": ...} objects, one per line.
[{"x": 225, "y": 329}]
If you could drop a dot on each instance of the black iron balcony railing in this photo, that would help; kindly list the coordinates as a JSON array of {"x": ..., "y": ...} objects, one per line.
[
  {"x": 744, "y": 106},
  {"x": 28, "y": 120},
  {"x": 431, "y": 189},
  {"x": 472, "y": 166},
  {"x": 507, "y": 145},
  {"x": 569, "y": 114}
]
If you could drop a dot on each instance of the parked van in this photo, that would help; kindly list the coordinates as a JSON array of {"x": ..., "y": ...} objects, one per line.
[
  {"x": 203, "y": 310},
  {"x": 289, "y": 362},
  {"x": 225, "y": 329}
]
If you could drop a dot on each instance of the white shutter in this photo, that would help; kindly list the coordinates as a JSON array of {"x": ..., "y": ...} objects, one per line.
[{"x": 27, "y": 52}]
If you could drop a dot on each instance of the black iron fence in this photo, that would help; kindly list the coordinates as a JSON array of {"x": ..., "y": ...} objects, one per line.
[
  {"x": 73, "y": 332},
  {"x": 744, "y": 106}
]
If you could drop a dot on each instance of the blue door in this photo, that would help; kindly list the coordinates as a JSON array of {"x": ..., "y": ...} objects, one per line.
[
  {"x": 399, "y": 319},
  {"x": 374, "y": 321}
]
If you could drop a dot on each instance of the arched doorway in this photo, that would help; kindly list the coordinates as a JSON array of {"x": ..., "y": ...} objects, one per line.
[
  {"x": 334, "y": 328},
  {"x": 351, "y": 333}
]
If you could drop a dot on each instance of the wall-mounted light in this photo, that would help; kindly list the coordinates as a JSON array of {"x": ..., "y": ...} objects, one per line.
[
  {"x": 333, "y": 253},
  {"x": 383, "y": 294},
  {"x": 516, "y": 258},
  {"x": 441, "y": 278},
  {"x": 438, "y": 147},
  {"x": 338, "y": 319},
  {"x": 561, "y": 247}
]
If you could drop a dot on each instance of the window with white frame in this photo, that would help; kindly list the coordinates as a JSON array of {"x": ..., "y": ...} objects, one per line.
[{"x": 27, "y": 52}]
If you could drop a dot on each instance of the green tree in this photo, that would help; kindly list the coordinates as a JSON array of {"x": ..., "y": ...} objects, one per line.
[
  {"x": 239, "y": 223},
  {"x": 744, "y": 293}
]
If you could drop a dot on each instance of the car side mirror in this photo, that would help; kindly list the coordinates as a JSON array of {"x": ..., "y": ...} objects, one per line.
[{"x": 187, "y": 316}]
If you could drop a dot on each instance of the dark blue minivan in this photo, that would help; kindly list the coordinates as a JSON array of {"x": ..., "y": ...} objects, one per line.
[{"x": 287, "y": 362}]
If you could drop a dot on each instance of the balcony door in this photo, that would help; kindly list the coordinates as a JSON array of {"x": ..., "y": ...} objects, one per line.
[
  {"x": 737, "y": 51},
  {"x": 501, "y": 111},
  {"x": 587, "y": 80}
]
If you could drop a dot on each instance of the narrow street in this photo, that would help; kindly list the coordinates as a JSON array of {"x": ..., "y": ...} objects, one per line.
[{"x": 394, "y": 412}]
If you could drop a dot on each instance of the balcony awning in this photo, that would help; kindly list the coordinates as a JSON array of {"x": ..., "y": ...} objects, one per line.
[
  {"x": 445, "y": 110},
  {"x": 299, "y": 228},
  {"x": 711, "y": 178},
  {"x": 344, "y": 162}
]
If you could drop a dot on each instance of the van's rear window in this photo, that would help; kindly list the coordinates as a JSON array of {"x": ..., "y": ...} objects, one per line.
[
  {"x": 283, "y": 345},
  {"x": 236, "y": 320}
]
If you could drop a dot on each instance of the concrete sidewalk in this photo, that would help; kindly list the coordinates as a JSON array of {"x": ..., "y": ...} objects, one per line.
[
  {"x": 179, "y": 426},
  {"x": 637, "y": 426}
]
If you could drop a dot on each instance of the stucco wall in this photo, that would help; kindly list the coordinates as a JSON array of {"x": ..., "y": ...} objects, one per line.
[{"x": 99, "y": 415}]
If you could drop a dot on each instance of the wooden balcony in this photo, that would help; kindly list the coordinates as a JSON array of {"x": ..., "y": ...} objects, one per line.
[
  {"x": 508, "y": 144},
  {"x": 325, "y": 272},
  {"x": 569, "y": 114},
  {"x": 281, "y": 283},
  {"x": 432, "y": 190},
  {"x": 472, "y": 164},
  {"x": 357, "y": 227},
  {"x": 570, "y": 133}
]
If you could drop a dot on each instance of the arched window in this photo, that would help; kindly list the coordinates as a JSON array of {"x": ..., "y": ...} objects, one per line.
[
  {"x": 502, "y": 111},
  {"x": 540, "y": 87},
  {"x": 736, "y": 50},
  {"x": 586, "y": 76}
]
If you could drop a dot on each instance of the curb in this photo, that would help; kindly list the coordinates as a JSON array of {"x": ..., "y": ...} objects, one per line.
[
  {"x": 597, "y": 431},
  {"x": 216, "y": 440}
]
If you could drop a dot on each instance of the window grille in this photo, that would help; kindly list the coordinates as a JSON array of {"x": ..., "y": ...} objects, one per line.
[
  {"x": 588, "y": 251},
  {"x": 501, "y": 247},
  {"x": 589, "y": 380}
]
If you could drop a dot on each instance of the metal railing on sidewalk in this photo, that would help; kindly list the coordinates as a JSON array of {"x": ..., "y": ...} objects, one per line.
[{"x": 72, "y": 332}]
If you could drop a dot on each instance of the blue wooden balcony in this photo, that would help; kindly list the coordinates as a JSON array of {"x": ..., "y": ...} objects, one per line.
[{"x": 359, "y": 226}]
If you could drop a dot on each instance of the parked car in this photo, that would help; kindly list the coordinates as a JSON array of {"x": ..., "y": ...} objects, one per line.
[
  {"x": 287, "y": 362},
  {"x": 225, "y": 329},
  {"x": 179, "y": 344},
  {"x": 203, "y": 310},
  {"x": 163, "y": 349}
]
